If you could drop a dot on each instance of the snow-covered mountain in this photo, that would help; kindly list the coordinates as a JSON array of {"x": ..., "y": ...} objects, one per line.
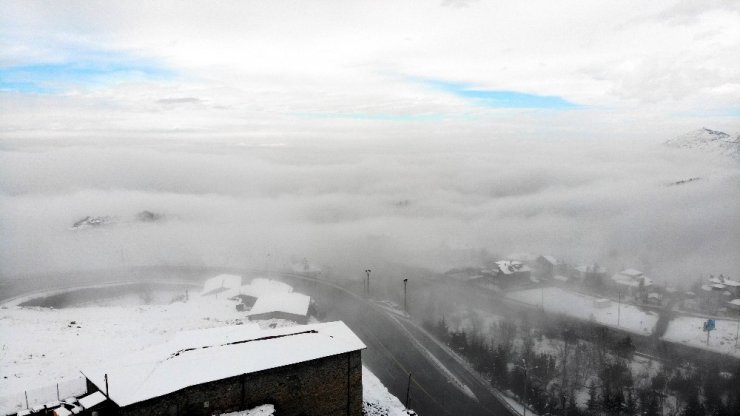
[{"x": 708, "y": 140}]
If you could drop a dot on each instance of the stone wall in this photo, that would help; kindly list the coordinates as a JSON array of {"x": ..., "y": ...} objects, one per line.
[{"x": 330, "y": 386}]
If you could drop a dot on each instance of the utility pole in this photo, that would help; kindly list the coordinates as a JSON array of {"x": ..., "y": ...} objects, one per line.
[
  {"x": 524, "y": 404},
  {"x": 619, "y": 307},
  {"x": 408, "y": 391},
  {"x": 405, "y": 307},
  {"x": 367, "y": 282}
]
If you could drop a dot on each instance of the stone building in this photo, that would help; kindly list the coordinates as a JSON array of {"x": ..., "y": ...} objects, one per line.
[{"x": 301, "y": 370}]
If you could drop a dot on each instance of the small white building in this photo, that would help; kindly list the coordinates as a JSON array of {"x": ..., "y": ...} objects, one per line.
[
  {"x": 291, "y": 306},
  {"x": 632, "y": 280},
  {"x": 221, "y": 283}
]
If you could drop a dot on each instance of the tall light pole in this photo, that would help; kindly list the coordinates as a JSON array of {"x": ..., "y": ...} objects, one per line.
[
  {"x": 367, "y": 282},
  {"x": 405, "y": 307}
]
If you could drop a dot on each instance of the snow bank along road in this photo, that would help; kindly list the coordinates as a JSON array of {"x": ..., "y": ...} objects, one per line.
[{"x": 440, "y": 384}]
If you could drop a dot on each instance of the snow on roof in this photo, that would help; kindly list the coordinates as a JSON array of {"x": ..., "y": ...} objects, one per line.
[
  {"x": 733, "y": 283},
  {"x": 718, "y": 286},
  {"x": 511, "y": 267},
  {"x": 735, "y": 302},
  {"x": 259, "y": 287},
  {"x": 631, "y": 279},
  {"x": 706, "y": 288},
  {"x": 292, "y": 303},
  {"x": 631, "y": 273},
  {"x": 715, "y": 280},
  {"x": 218, "y": 335},
  {"x": 268, "y": 286},
  {"x": 220, "y": 283},
  {"x": 561, "y": 278},
  {"x": 155, "y": 372},
  {"x": 61, "y": 411},
  {"x": 92, "y": 399}
]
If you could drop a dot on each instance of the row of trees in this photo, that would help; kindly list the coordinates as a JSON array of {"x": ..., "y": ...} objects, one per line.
[{"x": 559, "y": 369}]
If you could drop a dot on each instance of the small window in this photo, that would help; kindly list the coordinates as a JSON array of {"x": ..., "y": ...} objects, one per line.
[{"x": 206, "y": 404}]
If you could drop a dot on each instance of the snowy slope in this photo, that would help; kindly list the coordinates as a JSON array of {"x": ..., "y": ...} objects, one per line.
[
  {"x": 580, "y": 306},
  {"x": 710, "y": 141}
]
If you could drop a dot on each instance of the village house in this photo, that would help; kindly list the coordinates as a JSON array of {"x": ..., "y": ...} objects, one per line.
[
  {"x": 247, "y": 295},
  {"x": 301, "y": 370},
  {"x": 634, "y": 281},
  {"x": 590, "y": 275},
  {"x": 549, "y": 267},
  {"x": 295, "y": 307},
  {"x": 508, "y": 273},
  {"x": 221, "y": 283}
]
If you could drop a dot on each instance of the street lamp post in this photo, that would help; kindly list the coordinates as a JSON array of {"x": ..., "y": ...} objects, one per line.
[
  {"x": 367, "y": 282},
  {"x": 405, "y": 307}
]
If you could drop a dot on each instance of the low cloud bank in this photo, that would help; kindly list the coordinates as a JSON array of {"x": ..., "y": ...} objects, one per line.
[{"x": 431, "y": 204}]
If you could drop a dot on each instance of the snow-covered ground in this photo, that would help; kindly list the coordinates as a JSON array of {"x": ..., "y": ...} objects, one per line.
[
  {"x": 688, "y": 330},
  {"x": 41, "y": 347},
  {"x": 580, "y": 306}
]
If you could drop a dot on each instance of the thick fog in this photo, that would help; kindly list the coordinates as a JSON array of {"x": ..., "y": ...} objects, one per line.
[{"x": 435, "y": 204}]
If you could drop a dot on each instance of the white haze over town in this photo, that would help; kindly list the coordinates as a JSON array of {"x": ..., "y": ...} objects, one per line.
[{"x": 345, "y": 133}]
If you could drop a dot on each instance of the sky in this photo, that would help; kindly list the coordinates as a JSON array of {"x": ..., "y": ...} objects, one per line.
[
  {"x": 435, "y": 134},
  {"x": 266, "y": 69}
]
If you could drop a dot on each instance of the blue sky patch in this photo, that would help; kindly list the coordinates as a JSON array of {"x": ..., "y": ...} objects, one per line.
[
  {"x": 501, "y": 98},
  {"x": 56, "y": 77}
]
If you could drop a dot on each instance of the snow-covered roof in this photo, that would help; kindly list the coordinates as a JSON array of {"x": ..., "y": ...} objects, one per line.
[
  {"x": 630, "y": 278},
  {"x": 718, "y": 286},
  {"x": 269, "y": 286},
  {"x": 218, "y": 335},
  {"x": 561, "y": 278},
  {"x": 706, "y": 288},
  {"x": 157, "y": 371},
  {"x": 511, "y": 267},
  {"x": 93, "y": 399},
  {"x": 220, "y": 283},
  {"x": 292, "y": 303},
  {"x": 631, "y": 273},
  {"x": 259, "y": 287},
  {"x": 735, "y": 302},
  {"x": 733, "y": 283},
  {"x": 61, "y": 411}
]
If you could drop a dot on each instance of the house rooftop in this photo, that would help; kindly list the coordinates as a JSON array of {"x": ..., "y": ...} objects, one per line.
[
  {"x": 631, "y": 273},
  {"x": 91, "y": 400},
  {"x": 511, "y": 267},
  {"x": 221, "y": 283},
  {"x": 292, "y": 303},
  {"x": 167, "y": 368}
]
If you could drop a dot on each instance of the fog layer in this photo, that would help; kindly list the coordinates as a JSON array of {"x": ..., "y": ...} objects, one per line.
[{"x": 436, "y": 205}]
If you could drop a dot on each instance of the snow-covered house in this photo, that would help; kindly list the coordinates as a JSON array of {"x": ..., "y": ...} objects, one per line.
[
  {"x": 291, "y": 306},
  {"x": 247, "y": 295},
  {"x": 301, "y": 370},
  {"x": 633, "y": 280},
  {"x": 510, "y": 273},
  {"x": 221, "y": 283}
]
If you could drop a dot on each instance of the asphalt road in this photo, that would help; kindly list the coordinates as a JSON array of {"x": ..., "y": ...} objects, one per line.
[{"x": 396, "y": 346}]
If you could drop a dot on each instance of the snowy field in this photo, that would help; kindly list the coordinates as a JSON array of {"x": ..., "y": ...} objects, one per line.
[
  {"x": 687, "y": 330},
  {"x": 41, "y": 347},
  {"x": 576, "y": 305}
]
